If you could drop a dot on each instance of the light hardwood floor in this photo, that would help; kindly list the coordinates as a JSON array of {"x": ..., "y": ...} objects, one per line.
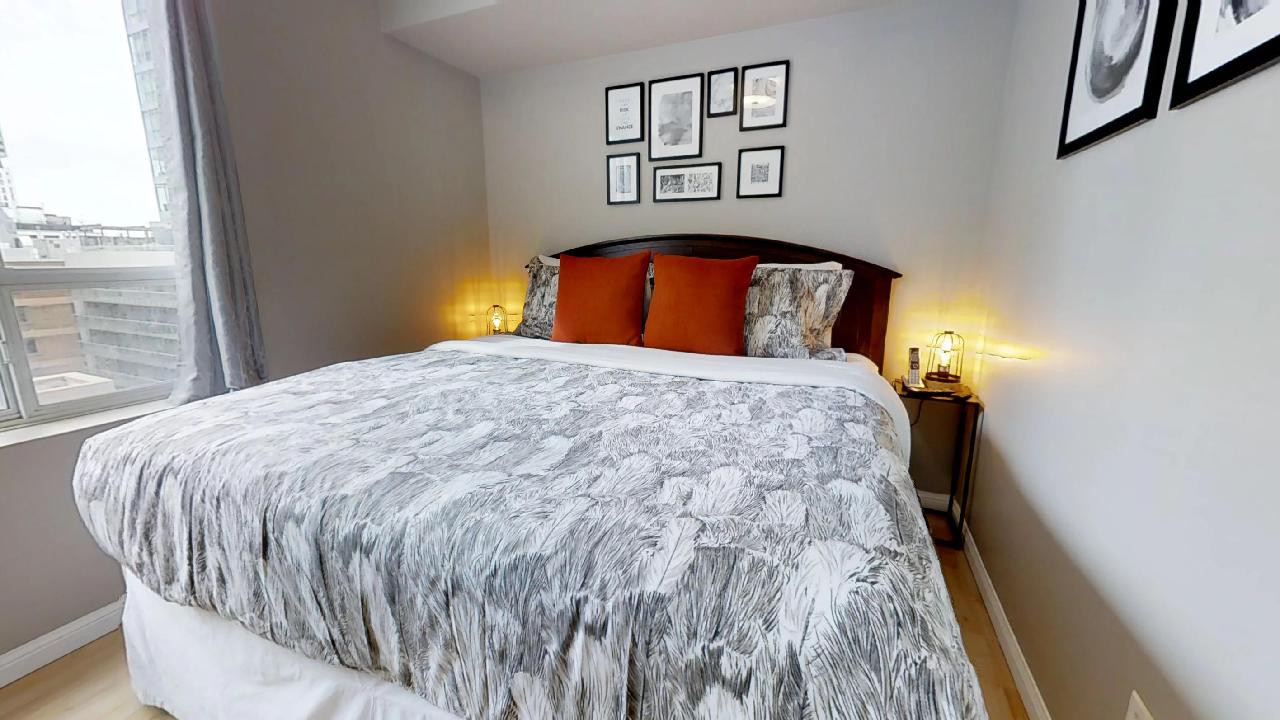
[{"x": 92, "y": 683}]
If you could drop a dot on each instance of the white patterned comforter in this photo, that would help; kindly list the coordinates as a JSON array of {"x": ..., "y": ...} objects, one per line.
[{"x": 523, "y": 529}]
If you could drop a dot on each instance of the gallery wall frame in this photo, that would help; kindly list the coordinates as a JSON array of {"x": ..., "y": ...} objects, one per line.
[
  {"x": 708, "y": 176},
  {"x": 764, "y": 80},
  {"x": 675, "y": 117},
  {"x": 622, "y": 179},
  {"x": 722, "y": 86},
  {"x": 760, "y": 171},
  {"x": 616, "y": 122}
]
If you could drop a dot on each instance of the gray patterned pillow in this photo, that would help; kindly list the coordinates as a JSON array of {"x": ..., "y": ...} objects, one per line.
[
  {"x": 790, "y": 311},
  {"x": 539, "y": 301}
]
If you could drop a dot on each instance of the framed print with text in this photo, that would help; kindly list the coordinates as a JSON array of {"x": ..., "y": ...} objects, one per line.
[{"x": 624, "y": 114}]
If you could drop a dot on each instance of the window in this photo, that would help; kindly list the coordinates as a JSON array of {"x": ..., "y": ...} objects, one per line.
[{"x": 88, "y": 302}]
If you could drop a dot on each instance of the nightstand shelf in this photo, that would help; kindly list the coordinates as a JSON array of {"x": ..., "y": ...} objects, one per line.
[{"x": 964, "y": 463}]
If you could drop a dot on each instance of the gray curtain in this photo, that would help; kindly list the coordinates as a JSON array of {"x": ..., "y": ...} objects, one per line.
[{"x": 219, "y": 331}]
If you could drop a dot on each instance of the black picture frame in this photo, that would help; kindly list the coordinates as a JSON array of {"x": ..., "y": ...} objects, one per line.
[
  {"x": 1162, "y": 39},
  {"x": 782, "y": 164},
  {"x": 719, "y": 181},
  {"x": 643, "y": 117},
  {"x": 608, "y": 180},
  {"x": 742, "y": 90},
  {"x": 697, "y": 115},
  {"x": 1187, "y": 91},
  {"x": 734, "y": 110}
]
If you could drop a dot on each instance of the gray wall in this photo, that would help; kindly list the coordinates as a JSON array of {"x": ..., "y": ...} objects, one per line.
[
  {"x": 361, "y": 172},
  {"x": 51, "y": 571},
  {"x": 1126, "y": 506},
  {"x": 891, "y": 132},
  {"x": 360, "y": 167}
]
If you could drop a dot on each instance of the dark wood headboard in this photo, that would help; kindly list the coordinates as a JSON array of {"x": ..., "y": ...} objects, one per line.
[{"x": 863, "y": 320}]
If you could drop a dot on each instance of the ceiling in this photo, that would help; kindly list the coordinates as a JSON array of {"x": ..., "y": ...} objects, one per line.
[{"x": 487, "y": 37}]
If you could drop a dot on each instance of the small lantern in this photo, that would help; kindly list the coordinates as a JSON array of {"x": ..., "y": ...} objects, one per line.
[
  {"x": 946, "y": 357},
  {"x": 495, "y": 320}
]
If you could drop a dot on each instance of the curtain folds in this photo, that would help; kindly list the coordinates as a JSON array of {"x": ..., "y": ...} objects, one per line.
[{"x": 221, "y": 338}]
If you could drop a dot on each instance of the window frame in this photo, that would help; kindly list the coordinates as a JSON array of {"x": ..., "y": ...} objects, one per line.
[{"x": 15, "y": 371}]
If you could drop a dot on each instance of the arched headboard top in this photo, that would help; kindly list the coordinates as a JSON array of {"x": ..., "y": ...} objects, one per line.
[{"x": 863, "y": 320}]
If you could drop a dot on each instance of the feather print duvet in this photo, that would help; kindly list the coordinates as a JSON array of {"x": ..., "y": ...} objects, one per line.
[{"x": 514, "y": 531}]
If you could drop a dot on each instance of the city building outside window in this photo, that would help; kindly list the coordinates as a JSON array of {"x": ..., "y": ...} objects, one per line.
[{"x": 88, "y": 305}]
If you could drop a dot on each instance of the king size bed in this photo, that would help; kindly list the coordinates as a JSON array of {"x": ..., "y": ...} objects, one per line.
[{"x": 518, "y": 528}]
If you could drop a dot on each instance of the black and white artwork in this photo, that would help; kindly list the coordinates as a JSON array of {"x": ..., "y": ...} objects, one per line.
[
  {"x": 675, "y": 117},
  {"x": 1224, "y": 41},
  {"x": 764, "y": 95},
  {"x": 623, "y": 174},
  {"x": 760, "y": 172},
  {"x": 1117, "y": 67},
  {"x": 676, "y": 183},
  {"x": 624, "y": 114},
  {"x": 722, "y": 92}
]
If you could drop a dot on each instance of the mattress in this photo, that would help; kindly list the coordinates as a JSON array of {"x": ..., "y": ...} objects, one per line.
[{"x": 521, "y": 528}]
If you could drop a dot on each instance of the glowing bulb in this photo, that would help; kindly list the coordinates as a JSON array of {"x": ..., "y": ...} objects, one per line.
[{"x": 497, "y": 321}]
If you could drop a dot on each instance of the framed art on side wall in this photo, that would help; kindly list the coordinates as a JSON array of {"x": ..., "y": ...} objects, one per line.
[
  {"x": 760, "y": 172},
  {"x": 680, "y": 183},
  {"x": 623, "y": 175},
  {"x": 624, "y": 114},
  {"x": 1117, "y": 69},
  {"x": 765, "y": 90},
  {"x": 1223, "y": 42},
  {"x": 675, "y": 117}
]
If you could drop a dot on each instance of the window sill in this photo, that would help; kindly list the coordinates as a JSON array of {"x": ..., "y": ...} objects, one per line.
[{"x": 88, "y": 421}]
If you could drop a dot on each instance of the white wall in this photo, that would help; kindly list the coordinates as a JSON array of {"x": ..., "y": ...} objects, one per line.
[
  {"x": 1126, "y": 504},
  {"x": 891, "y": 132}
]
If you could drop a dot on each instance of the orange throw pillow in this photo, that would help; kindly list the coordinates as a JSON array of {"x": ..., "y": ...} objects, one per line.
[
  {"x": 698, "y": 305},
  {"x": 601, "y": 300}
]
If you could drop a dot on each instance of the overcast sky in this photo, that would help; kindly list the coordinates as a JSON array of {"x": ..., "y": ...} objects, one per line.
[{"x": 69, "y": 111}]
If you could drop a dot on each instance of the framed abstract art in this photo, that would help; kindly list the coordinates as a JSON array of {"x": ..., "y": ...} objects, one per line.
[
  {"x": 1117, "y": 69},
  {"x": 675, "y": 117},
  {"x": 1223, "y": 42}
]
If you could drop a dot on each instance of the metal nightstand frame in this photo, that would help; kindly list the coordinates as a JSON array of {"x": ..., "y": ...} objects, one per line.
[{"x": 964, "y": 464}]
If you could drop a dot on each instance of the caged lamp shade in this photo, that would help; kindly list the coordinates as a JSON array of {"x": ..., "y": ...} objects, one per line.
[
  {"x": 495, "y": 320},
  {"x": 946, "y": 357}
]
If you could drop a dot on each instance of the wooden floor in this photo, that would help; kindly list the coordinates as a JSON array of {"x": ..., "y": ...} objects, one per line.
[{"x": 93, "y": 684}]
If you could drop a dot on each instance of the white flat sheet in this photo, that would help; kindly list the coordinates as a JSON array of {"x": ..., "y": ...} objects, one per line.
[
  {"x": 858, "y": 374},
  {"x": 199, "y": 666}
]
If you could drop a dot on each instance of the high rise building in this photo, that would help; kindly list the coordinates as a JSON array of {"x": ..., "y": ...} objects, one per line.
[
  {"x": 8, "y": 199},
  {"x": 145, "y": 77}
]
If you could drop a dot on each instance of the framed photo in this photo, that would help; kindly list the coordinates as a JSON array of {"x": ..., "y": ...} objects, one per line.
[
  {"x": 680, "y": 183},
  {"x": 764, "y": 96},
  {"x": 624, "y": 114},
  {"x": 675, "y": 117},
  {"x": 1223, "y": 42},
  {"x": 1117, "y": 69},
  {"x": 722, "y": 92},
  {"x": 623, "y": 174},
  {"x": 760, "y": 172}
]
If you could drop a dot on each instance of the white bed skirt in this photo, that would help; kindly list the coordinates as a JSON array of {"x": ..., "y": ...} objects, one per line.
[{"x": 197, "y": 665}]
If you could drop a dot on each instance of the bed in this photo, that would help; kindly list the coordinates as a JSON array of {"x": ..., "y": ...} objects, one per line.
[{"x": 516, "y": 528}]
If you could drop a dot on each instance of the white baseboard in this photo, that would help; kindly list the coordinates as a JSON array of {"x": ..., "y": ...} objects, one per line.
[
  {"x": 1022, "y": 677},
  {"x": 34, "y": 655},
  {"x": 933, "y": 501}
]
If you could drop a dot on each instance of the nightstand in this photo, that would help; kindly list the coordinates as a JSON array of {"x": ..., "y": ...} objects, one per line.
[{"x": 964, "y": 438}]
